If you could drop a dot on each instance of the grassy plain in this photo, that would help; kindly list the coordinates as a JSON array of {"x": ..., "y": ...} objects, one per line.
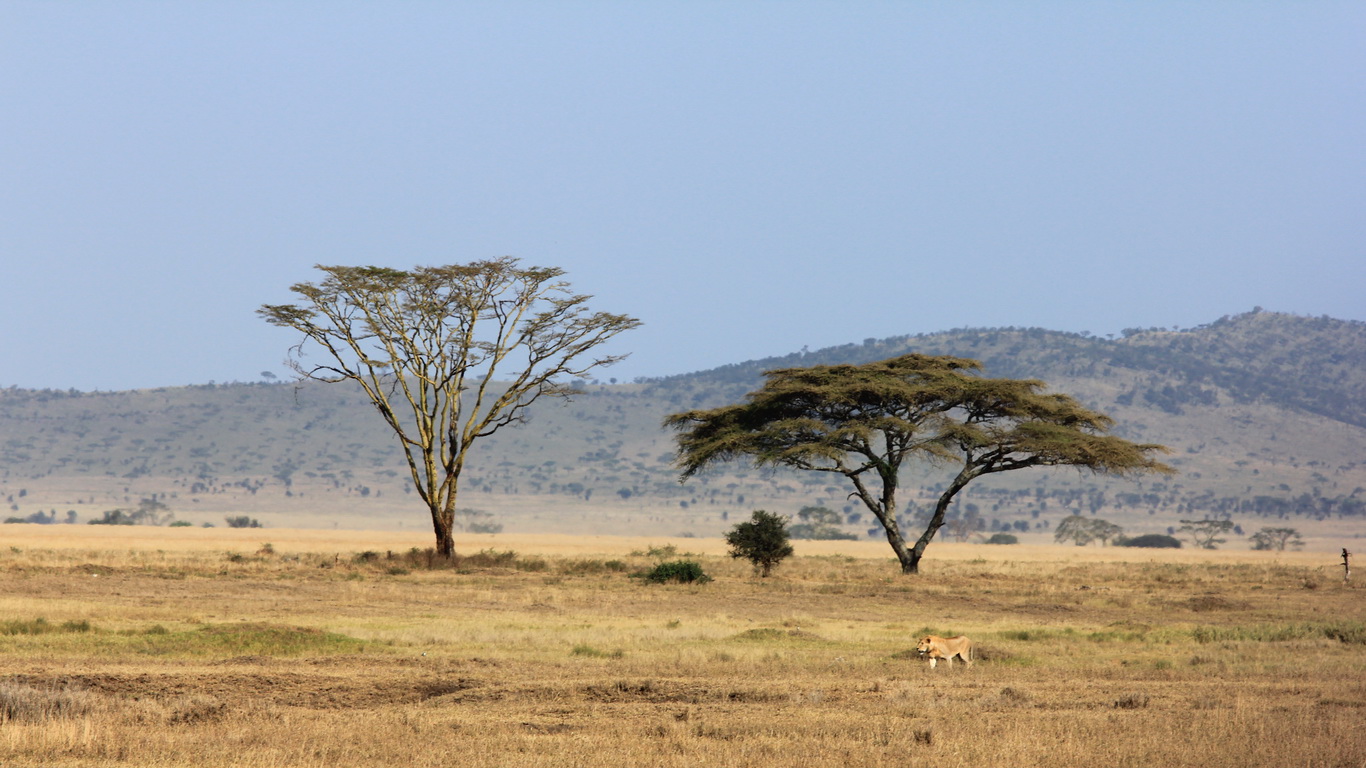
[{"x": 194, "y": 647}]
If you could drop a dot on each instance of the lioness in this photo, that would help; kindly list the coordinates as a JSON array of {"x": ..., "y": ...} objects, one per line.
[{"x": 936, "y": 648}]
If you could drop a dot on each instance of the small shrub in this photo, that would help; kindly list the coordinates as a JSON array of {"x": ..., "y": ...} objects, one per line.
[
  {"x": 1003, "y": 538},
  {"x": 763, "y": 541},
  {"x": 1152, "y": 541},
  {"x": 681, "y": 571}
]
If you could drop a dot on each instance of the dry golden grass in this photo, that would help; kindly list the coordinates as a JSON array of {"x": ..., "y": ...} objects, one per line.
[{"x": 187, "y": 647}]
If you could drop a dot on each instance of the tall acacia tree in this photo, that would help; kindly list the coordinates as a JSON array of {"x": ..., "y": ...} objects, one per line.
[
  {"x": 866, "y": 422},
  {"x": 447, "y": 355}
]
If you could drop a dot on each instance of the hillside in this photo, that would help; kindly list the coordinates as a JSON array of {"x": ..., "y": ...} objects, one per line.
[{"x": 1266, "y": 414}]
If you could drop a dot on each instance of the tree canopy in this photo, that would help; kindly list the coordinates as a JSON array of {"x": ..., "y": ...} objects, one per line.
[
  {"x": 446, "y": 354},
  {"x": 1083, "y": 530},
  {"x": 763, "y": 541},
  {"x": 866, "y": 422}
]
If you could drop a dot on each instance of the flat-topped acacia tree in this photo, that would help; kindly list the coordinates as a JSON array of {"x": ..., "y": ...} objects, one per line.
[
  {"x": 866, "y": 422},
  {"x": 447, "y": 355}
]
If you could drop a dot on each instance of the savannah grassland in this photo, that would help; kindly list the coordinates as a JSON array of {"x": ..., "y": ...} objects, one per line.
[{"x": 194, "y": 647}]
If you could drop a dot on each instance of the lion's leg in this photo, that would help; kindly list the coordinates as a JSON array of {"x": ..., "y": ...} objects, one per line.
[{"x": 933, "y": 661}]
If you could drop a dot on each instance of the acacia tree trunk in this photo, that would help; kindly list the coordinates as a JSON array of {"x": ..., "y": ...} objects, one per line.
[
  {"x": 908, "y": 559},
  {"x": 884, "y": 509},
  {"x": 443, "y": 523},
  {"x": 941, "y": 508}
]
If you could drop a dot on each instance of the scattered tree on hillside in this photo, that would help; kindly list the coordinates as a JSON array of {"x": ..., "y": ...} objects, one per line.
[
  {"x": 1084, "y": 530},
  {"x": 1205, "y": 533},
  {"x": 819, "y": 523},
  {"x": 866, "y": 421},
  {"x": 149, "y": 512},
  {"x": 763, "y": 541},
  {"x": 1277, "y": 539},
  {"x": 447, "y": 355}
]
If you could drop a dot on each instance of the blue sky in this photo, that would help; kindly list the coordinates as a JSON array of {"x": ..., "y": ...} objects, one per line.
[{"x": 747, "y": 178}]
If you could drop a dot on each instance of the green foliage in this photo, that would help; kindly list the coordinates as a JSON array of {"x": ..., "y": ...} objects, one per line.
[
  {"x": 1151, "y": 541},
  {"x": 681, "y": 571},
  {"x": 763, "y": 541},
  {"x": 866, "y": 422},
  {"x": 242, "y": 521},
  {"x": 1003, "y": 538}
]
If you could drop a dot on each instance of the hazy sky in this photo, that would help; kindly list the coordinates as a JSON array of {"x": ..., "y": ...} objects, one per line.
[{"x": 747, "y": 178}]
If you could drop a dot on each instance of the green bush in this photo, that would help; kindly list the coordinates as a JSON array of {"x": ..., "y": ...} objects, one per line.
[
  {"x": 763, "y": 541},
  {"x": 1003, "y": 538},
  {"x": 1152, "y": 541},
  {"x": 681, "y": 571}
]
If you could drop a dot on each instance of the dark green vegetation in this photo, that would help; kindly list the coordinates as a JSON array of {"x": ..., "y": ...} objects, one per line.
[
  {"x": 1153, "y": 541},
  {"x": 763, "y": 541},
  {"x": 1266, "y": 414},
  {"x": 679, "y": 571}
]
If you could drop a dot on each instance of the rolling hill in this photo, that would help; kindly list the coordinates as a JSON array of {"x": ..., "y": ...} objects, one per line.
[{"x": 1265, "y": 413}]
